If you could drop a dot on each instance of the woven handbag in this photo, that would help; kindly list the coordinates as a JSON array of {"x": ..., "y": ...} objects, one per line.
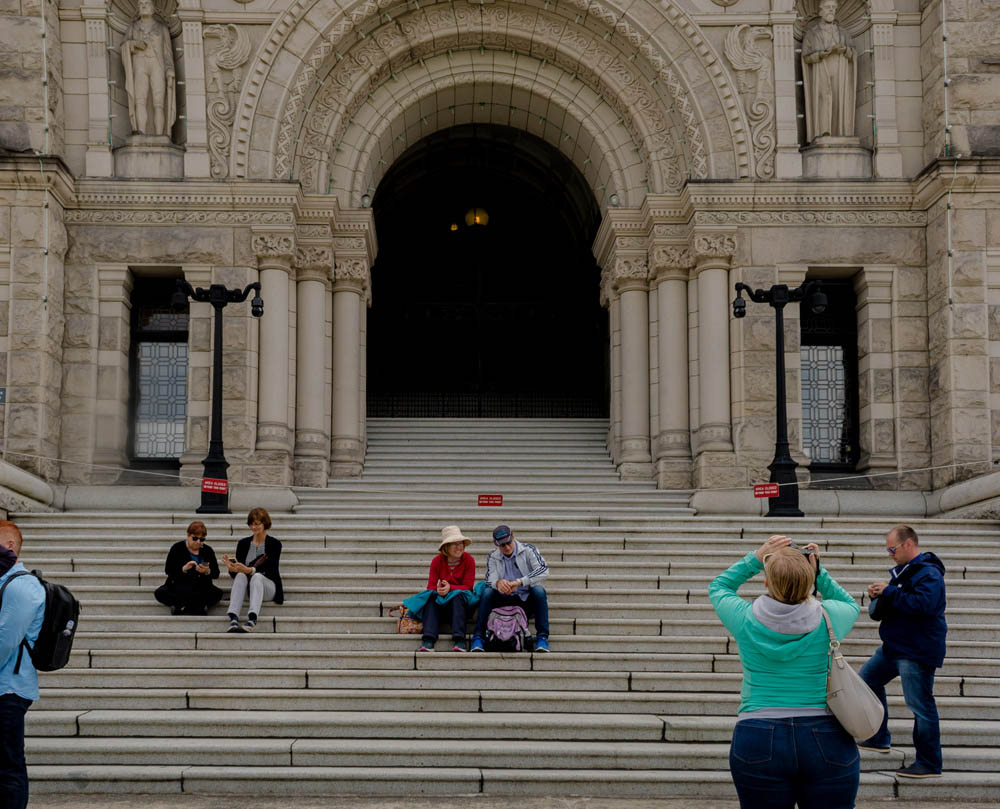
[
  {"x": 406, "y": 624},
  {"x": 849, "y": 698}
]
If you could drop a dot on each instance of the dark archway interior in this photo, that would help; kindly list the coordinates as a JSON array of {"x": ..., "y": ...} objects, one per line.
[{"x": 494, "y": 320}]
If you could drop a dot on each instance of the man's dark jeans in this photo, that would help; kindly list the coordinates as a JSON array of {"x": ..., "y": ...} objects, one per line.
[
  {"x": 807, "y": 761},
  {"x": 918, "y": 691},
  {"x": 13, "y": 771},
  {"x": 537, "y": 605}
]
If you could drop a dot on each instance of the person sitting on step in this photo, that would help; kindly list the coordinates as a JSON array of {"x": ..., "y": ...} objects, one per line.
[
  {"x": 255, "y": 567},
  {"x": 191, "y": 569},
  {"x": 450, "y": 591},
  {"x": 514, "y": 575}
]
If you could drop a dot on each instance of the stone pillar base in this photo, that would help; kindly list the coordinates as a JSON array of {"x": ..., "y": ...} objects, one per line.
[
  {"x": 633, "y": 470},
  {"x": 98, "y": 475},
  {"x": 311, "y": 471},
  {"x": 718, "y": 470},
  {"x": 149, "y": 157},
  {"x": 271, "y": 467},
  {"x": 833, "y": 158},
  {"x": 273, "y": 437},
  {"x": 346, "y": 469},
  {"x": 673, "y": 473},
  {"x": 347, "y": 457}
]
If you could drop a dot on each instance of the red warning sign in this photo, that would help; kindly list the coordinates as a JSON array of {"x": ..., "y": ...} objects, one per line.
[
  {"x": 491, "y": 499},
  {"x": 765, "y": 490},
  {"x": 214, "y": 485}
]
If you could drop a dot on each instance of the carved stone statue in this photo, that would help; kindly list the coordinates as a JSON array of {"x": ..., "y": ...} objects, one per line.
[
  {"x": 148, "y": 58},
  {"x": 829, "y": 74}
]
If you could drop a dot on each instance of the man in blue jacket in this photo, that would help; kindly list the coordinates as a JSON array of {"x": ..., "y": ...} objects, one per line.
[
  {"x": 911, "y": 608},
  {"x": 20, "y": 618}
]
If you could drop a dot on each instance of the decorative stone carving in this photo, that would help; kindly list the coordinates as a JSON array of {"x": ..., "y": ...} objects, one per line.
[
  {"x": 630, "y": 271},
  {"x": 899, "y": 218},
  {"x": 714, "y": 247},
  {"x": 148, "y": 59},
  {"x": 352, "y": 270},
  {"x": 229, "y": 55},
  {"x": 313, "y": 262},
  {"x": 666, "y": 259},
  {"x": 746, "y": 58},
  {"x": 829, "y": 74},
  {"x": 273, "y": 246}
]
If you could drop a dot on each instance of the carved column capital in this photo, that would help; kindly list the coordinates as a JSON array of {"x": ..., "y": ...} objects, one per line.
[
  {"x": 352, "y": 273},
  {"x": 713, "y": 250},
  {"x": 670, "y": 263},
  {"x": 274, "y": 249},
  {"x": 630, "y": 273},
  {"x": 313, "y": 263}
]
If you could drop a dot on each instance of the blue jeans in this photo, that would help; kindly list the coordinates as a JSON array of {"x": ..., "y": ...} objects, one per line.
[
  {"x": 537, "y": 604},
  {"x": 918, "y": 691},
  {"x": 13, "y": 771},
  {"x": 809, "y": 761},
  {"x": 432, "y": 617}
]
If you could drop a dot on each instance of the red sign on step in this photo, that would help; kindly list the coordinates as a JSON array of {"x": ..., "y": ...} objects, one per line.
[
  {"x": 214, "y": 485},
  {"x": 765, "y": 490},
  {"x": 491, "y": 499}
]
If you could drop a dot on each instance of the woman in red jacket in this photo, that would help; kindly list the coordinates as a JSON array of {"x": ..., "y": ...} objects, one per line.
[{"x": 451, "y": 577}]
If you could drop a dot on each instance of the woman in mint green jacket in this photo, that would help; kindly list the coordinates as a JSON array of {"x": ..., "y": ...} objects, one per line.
[{"x": 787, "y": 748}]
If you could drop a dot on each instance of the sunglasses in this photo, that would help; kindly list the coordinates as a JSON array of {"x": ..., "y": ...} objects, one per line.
[
  {"x": 500, "y": 543},
  {"x": 197, "y": 537},
  {"x": 891, "y": 550}
]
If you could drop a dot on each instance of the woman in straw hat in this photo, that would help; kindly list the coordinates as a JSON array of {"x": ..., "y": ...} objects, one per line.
[{"x": 450, "y": 585}]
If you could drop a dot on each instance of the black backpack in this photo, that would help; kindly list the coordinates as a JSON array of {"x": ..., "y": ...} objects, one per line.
[{"x": 55, "y": 638}]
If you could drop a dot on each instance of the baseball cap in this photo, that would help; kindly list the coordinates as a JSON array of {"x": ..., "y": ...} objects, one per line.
[{"x": 502, "y": 535}]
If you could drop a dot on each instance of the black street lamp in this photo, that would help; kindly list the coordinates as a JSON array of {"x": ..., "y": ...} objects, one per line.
[
  {"x": 786, "y": 504},
  {"x": 215, "y": 485}
]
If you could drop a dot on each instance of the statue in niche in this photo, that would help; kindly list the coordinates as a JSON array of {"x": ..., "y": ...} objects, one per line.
[
  {"x": 147, "y": 55},
  {"x": 829, "y": 73}
]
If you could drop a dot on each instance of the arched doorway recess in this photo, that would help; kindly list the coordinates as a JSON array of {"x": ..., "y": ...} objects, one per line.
[{"x": 485, "y": 291}]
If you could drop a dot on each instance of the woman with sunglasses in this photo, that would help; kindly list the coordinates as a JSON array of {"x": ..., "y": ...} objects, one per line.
[
  {"x": 787, "y": 748},
  {"x": 191, "y": 569}
]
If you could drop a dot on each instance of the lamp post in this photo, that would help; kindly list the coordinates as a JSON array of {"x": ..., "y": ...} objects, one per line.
[
  {"x": 215, "y": 485},
  {"x": 782, "y": 467}
]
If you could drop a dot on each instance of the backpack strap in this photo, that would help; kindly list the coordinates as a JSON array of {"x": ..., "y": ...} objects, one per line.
[{"x": 24, "y": 641}]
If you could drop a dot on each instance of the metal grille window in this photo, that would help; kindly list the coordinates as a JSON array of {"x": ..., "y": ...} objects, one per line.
[
  {"x": 159, "y": 370},
  {"x": 829, "y": 360}
]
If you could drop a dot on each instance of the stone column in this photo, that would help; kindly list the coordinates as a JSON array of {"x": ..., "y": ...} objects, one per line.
[
  {"x": 873, "y": 286},
  {"x": 888, "y": 157},
  {"x": 630, "y": 281},
  {"x": 115, "y": 333},
  {"x": 669, "y": 271},
  {"x": 351, "y": 280},
  {"x": 715, "y": 464},
  {"x": 788, "y": 160},
  {"x": 313, "y": 266},
  {"x": 275, "y": 252},
  {"x": 196, "y": 162},
  {"x": 196, "y": 430},
  {"x": 98, "y": 161}
]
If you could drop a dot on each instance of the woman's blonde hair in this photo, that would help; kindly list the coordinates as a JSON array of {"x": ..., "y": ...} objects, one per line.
[{"x": 790, "y": 575}]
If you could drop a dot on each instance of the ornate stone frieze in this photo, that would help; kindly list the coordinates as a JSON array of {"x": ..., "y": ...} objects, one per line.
[
  {"x": 313, "y": 262},
  {"x": 312, "y": 231},
  {"x": 714, "y": 246},
  {"x": 182, "y": 217},
  {"x": 899, "y": 218},
  {"x": 352, "y": 270},
  {"x": 348, "y": 243},
  {"x": 746, "y": 58},
  {"x": 223, "y": 80}
]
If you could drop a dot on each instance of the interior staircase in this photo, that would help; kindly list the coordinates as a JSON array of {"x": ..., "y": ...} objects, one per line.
[{"x": 638, "y": 697}]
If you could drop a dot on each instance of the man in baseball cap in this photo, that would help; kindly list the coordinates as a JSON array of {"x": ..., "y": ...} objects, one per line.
[{"x": 514, "y": 575}]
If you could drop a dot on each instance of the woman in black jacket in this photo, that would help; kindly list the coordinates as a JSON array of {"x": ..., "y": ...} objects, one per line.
[
  {"x": 191, "y": 568},
  {"x": 254, "y": 568}
]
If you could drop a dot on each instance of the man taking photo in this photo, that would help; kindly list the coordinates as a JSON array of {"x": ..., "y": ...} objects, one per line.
[
  {"x": 21, "y": 616},
  {"x": 911, "y": 608}
]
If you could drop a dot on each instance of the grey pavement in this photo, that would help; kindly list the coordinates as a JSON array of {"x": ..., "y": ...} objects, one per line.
[{"x": 458, "y": 802}]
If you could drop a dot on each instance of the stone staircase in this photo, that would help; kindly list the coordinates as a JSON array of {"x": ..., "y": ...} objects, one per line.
[{"x": 638, "y": 697}]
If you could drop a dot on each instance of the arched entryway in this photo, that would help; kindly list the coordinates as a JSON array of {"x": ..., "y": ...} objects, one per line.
[{"x": 485, "y": 290}]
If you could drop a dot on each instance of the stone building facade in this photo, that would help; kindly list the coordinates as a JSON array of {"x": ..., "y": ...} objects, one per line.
[{"x": 685, "y": 118}]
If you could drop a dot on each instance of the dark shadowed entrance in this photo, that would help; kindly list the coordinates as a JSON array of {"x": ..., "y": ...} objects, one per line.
[{"x": 485, "y": 290}]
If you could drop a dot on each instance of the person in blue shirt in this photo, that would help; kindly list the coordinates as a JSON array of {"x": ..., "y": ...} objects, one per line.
[
  {"x": 911, "y": 609},
  {"x": 20, "y": 618}
]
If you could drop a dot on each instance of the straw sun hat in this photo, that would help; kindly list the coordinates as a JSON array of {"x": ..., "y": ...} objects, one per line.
[{"x": 452, "y": 533}]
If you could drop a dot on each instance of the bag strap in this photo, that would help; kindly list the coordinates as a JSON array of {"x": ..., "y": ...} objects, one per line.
[{"x": 24, "y": 641}]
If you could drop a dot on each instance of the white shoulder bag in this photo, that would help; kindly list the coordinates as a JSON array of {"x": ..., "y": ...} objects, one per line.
[{"x": 849, "y": 698}]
